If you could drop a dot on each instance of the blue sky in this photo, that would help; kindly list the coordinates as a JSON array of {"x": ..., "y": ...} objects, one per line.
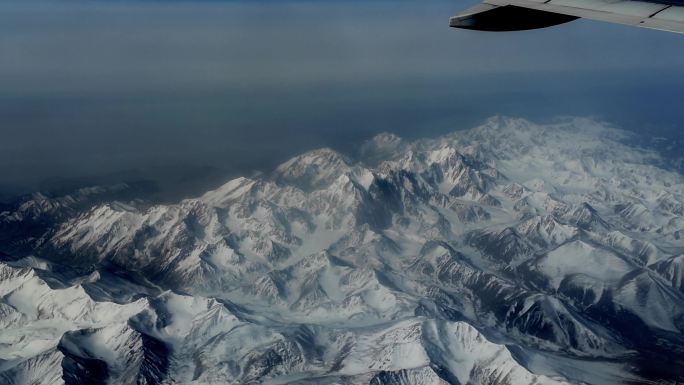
[{"x": 97, "y": 87}]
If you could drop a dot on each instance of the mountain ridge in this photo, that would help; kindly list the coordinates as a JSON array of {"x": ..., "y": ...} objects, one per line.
[{"x": 551, "y": 242}]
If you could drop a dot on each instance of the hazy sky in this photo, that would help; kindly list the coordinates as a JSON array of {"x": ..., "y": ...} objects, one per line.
[{"x": 92, "y": 88}]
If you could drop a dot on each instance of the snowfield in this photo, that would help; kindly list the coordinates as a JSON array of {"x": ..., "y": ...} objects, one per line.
[{"x": 510, "y": 253}]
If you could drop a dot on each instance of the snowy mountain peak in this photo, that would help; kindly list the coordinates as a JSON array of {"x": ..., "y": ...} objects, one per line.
[
  {"x": 511, "y": 253},
  {"x": 313, "y": 170}
]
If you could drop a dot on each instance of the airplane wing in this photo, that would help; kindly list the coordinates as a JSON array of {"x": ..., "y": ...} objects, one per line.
[{"x": 516, "y": 15}]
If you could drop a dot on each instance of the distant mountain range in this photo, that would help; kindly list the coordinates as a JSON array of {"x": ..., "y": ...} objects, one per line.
[{"x": 511, "y": 253}]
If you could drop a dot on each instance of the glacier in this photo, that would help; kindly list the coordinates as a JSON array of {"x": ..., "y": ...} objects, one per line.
[{"x": 510, "y": 253}]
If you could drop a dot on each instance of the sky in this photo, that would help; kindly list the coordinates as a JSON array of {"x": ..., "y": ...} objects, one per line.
[{"x": 189, "y": 93}]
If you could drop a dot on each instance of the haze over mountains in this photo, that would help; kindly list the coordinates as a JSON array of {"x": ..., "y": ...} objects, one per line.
[
  {"x": 510, "y": 253},
  {"x": 192, "y": 93}
]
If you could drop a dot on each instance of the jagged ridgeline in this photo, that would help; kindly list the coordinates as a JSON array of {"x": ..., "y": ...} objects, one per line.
[{"x": 511, "y": 253}]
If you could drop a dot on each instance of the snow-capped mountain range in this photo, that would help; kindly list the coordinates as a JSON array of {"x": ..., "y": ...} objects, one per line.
[{"x": 510, "y": 253}]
